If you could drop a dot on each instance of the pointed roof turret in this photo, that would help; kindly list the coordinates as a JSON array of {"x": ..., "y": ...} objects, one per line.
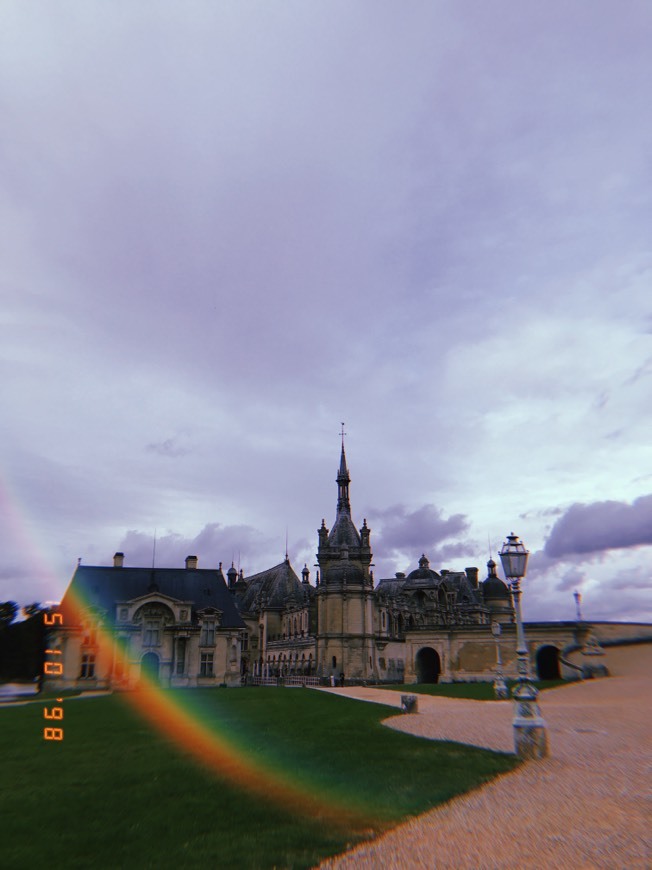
[
  {"x": 343, "y": 481},
  {"x": 344, "y": 553},
  {"x": 343, "y": 533}
]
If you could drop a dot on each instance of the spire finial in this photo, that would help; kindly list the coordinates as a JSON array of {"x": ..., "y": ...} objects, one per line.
[{"x": 343, "y": 433}]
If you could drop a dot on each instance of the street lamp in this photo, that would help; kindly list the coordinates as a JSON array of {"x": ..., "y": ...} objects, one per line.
[
  {"x": 530, "y": 739},
  {"x": 500, "y": 687},
  {"x": 578, "y": 602}
]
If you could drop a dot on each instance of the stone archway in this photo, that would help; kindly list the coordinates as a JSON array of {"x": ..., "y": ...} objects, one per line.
[
  {"x": 548, "y": 663},
  {"x": 428, "y": 665},
  {"x": 149, "y": 666}
]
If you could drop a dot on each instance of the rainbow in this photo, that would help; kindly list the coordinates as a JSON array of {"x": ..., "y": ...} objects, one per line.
[{"x": 181, "y": 722}]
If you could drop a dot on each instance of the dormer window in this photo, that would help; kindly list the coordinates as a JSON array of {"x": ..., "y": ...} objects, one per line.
[{"x": 208, "y": 633}]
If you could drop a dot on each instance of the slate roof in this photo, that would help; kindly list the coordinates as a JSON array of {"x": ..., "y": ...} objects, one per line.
[
  {"x": 277, "y": 585},
  {"x": 426, "y": 578},
  {"x": 103, "y": 587},
  {"x": 344, "y": 533},
  {"x": 423, "y": 576},
  {"x": 392, "y": 586}
]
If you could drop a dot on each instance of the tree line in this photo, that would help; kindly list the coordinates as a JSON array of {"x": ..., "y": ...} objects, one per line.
[{"x": 22, "y": 644}]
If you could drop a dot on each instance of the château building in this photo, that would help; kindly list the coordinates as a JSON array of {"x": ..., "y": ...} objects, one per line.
[{"x": 195, "y": 627}]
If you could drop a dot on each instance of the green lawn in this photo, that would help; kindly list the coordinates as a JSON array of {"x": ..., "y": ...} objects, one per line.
[
  {"x": 115, "y": 794},
  {"x": 472, "y": 691}
]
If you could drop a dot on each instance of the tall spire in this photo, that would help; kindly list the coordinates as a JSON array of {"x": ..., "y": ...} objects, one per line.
[{"x": 343, "y": 480}]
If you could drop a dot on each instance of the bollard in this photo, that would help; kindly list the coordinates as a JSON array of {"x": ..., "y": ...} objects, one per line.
[{"x": 409, "y": 704}]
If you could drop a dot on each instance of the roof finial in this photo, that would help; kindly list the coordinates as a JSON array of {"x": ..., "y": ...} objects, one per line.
[{"x": 343, "y": 434}]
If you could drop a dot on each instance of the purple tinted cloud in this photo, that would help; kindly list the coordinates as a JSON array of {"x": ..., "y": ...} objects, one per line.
[
  {"x": 215, "y": 543},
  {"x": 572, "y": 579},
  {"x": 170, "y": 448},
  {"x": 604, "y": 525},
  {"x": 256, "y": 220},
  {"x": 423, "y": 528}
]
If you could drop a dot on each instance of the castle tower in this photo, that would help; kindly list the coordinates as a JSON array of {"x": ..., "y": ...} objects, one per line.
[{"x": 345, "y": 593}]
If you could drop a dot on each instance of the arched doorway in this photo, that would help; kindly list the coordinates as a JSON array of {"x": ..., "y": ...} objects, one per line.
[
  {"x": 149, "y": 666},
  {"x": 428, "y": 665},
  {"x": 548, "y": 663}
]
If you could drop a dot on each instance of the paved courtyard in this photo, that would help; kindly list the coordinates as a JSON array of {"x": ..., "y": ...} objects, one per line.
[{"x": 587, "y": 806}]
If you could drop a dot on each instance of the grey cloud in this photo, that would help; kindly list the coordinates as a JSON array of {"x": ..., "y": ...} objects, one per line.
[
  {"x": 605, "y": 525},
  {"x": 263, "y": 218},
  {"x": 636, "y": 578},
  {"x": 571, "y": 579},
  {"x": 170, "y": 448},
  {"x": 440, "y": 556},
  {"x": 424, "y": 528},
  {"x": 546, "y": 512},
  {"x": 215, "y": 543}
]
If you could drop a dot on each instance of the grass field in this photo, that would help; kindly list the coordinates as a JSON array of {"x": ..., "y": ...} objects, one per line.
[
  {"x": 471, "y": 691},
  {"x": 115, "y": 794}
]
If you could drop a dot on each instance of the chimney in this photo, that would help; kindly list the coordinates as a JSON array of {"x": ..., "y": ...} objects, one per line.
[
  {"x": 118, "y": 560},
  {"x": 472, "y": 574},
  {"x": 191, "y": 563}
]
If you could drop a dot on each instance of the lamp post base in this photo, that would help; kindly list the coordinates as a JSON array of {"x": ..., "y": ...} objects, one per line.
[
  {"x": 500, "y": 689},
  {"x": 530, "y": 739},
  {"x": 530, "y": 736}
]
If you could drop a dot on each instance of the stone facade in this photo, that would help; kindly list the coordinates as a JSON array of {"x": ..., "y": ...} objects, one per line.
[
  {"x": 179, "y": 626},
  {"x": 420, "y": 627},
  {"x": 192, "y": 627}
]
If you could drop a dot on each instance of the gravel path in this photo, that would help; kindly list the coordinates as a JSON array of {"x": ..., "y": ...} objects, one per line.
[{"x": 587, "y": 806}]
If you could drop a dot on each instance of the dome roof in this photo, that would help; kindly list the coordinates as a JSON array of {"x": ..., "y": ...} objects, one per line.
[
  {"x": 343, "y": 571},
  {"x": 493, "y": 586},
  {"x": 423, "y": 575}
]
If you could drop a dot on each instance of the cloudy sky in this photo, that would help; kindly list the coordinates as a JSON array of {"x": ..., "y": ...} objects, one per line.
[{"x": 229, "y": 226}]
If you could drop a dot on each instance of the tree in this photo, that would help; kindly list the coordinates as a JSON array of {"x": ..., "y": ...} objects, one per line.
[
  {"x": 22, "y": 644},
  {"x": 8, "y": 611},
  {"x": 34, "y": 609}
]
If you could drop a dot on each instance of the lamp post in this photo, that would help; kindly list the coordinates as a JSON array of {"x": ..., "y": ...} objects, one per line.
[
  {"x": 530, "y": 738},
  {"x": 500, "y": 687},
  {"x": 578, "y": 602}
]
